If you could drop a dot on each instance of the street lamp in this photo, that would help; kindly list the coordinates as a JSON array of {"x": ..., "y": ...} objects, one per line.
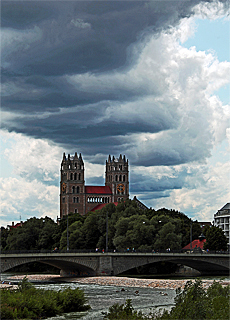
[{"x": 106, "y": 245}]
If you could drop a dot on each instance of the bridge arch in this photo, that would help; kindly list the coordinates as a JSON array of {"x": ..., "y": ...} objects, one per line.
[
  {"x": 68, "y": 266},
  {"x": 212, "y": 266}
]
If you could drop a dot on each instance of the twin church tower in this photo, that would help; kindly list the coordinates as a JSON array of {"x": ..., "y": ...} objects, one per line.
[{"x": 76, "y": 197}]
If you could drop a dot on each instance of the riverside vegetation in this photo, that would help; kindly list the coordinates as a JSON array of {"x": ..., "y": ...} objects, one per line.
[
  {"x": 128, "y": 227},
  {"x": 192, "y": 303},
  {"x": 28, "y": 302}
]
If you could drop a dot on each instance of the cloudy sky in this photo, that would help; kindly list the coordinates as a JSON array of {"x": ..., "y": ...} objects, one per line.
[{"x": 148, "y": 79}]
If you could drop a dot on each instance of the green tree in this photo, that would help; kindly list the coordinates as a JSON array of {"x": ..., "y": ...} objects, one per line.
[
  {"x": 167, "y": 237},
  {"x": 215, "y": 239},
  {"x": 4, "y": 236},
  {"x": 34, "y": 234}
]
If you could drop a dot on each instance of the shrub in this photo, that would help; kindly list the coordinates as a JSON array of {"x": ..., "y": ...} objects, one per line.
[{"x": 27, "y": 302}]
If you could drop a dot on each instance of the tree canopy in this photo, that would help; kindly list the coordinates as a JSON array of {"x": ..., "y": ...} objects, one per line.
[
  {"x": 128, "y": 227},
  {"x": 215, "y": 239}
]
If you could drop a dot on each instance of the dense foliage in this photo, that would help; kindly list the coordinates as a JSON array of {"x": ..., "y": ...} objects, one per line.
[
  {"x": 128, "y": 227},
  {"x": 215, "y": 239},
  {"x": 27, "y": 302},
  {"x": 192, "y": 303}
]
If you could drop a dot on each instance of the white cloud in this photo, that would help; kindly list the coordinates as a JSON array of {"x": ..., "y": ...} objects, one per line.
[
  {"x": 33, "y": 158},
  {"x": 205, "y": 190},
  {"x": 20, "y": 197},
  {"x": 213, "y": 10},
  {"x": 79, "y": 23}
]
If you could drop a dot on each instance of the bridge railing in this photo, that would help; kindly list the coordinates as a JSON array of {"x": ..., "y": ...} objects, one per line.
[{"x": 110, "y": 251}]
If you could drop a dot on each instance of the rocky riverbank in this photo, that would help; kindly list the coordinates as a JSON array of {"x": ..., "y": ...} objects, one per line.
[{"x": 117, "y": 281}]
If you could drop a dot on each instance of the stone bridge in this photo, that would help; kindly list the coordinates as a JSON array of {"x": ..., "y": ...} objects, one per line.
[{"x": 98, "y": 264}]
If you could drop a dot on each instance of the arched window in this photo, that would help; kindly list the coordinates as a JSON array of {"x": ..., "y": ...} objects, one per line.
[
  {"x": 78, "y": 190},
  {"x": 63, "y": 200},
  {"x": 120, "y": 177},
  {"x": 123, "y": 177},
  {"x": 88, "y": 199},
  {"x": 77, "y": 200},
  {"x": 75, "y": 211},
  {"x": 75, "y": 176},
  {"x": 73, "y": 189},
  {"x": 116, "y": 178},
  {"x": 73, "y": 199},
  {"x": 71, "y": 176}
]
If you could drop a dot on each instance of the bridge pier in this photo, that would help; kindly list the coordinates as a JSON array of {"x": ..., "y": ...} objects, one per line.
[{"x": 105, "y": 266}]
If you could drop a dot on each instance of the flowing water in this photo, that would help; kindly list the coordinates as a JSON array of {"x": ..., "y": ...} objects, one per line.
[{"x": 101, "y": 297}]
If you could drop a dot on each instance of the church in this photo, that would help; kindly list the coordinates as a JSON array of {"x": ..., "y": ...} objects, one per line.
[{"x": 76, "y": 197}]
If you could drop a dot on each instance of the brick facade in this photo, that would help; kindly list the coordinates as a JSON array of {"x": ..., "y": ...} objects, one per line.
[{"x": 76, "y": 197}]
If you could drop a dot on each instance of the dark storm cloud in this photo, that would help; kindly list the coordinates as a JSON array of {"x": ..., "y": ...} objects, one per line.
[
  {"x": 54, "y": 54},
  {"x": 83, "y": 36}
]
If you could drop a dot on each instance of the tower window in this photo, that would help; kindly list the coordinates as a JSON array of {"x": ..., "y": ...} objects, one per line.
[
  {"x": 124, "y": 178},
  {"x": 73, "y": 189},
  {"x": 75, "y": 176},
  {"x": 120, "y": 178},
  {"x": 116, "y": 178},
  {"x": 71, "y": 176},
  {"x": 63, "y": 200},
  {"x": 79, "y": 176},
  {"x": 78, "y": 190}
]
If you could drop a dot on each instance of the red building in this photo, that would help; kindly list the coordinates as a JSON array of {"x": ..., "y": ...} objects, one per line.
[{"x": 76, "y": 197}]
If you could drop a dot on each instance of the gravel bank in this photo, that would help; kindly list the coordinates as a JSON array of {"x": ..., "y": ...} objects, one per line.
[{"x": 118, "y": 281}]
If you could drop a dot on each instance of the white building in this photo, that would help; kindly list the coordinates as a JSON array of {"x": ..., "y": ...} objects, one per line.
[{"x": 221, "y": 219}]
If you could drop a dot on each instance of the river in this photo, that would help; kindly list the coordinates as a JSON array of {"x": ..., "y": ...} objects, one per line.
[{"x": 101, "y": 296}]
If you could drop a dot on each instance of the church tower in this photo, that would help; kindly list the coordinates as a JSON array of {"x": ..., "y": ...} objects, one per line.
[
  {"x": 72, "y": 185},
  {"x": 117, "y": 177}
]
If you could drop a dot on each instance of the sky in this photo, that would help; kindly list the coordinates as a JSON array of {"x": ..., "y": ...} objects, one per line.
[{"x": 145, "y": 79}]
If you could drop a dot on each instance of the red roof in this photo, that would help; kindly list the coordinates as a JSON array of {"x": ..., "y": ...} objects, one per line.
[
  {"x": 195, "y": 243},
  {"x": 98, "y": 190},
  {"x": 102, "y": 205}
]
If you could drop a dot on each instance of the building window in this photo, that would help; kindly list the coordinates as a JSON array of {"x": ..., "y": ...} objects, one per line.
[
  {"x": 63, "y": 200},
  {"x": 75, "y": 211},
  {"x": 120, "y": 178},
  {"x": 71, "y": 176},
  {"x": 78, "y": 190},
  {"x": 73, "y": 189},
  {"x": 124, "y": 178},
  {"x": 75, "y": 176},
  {"x": 79, "y": 177}
]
